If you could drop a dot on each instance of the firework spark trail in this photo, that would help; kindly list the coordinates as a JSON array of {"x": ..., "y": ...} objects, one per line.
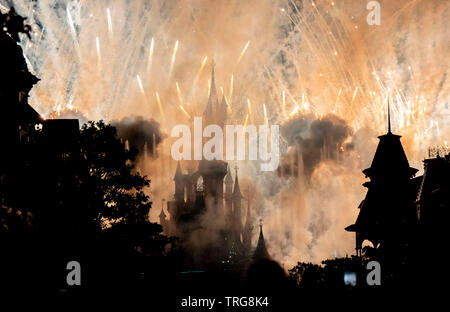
[
  {"x": 158, "y": 100},
  {"x": 110, "y": 25},
  {"x": 174, "y": 56},
  {"x": 299, "y": 59},
  {"x": 150, "y": 56},
  {"x": 180, "y": 97}
]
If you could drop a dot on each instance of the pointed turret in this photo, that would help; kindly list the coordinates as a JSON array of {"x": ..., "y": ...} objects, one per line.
[
  {"x": 228, "y": 182},
  {"x": 236, "y": 220},
  {"x": 228, "y": 196},
  {"x": 211, "y": 110},
  {"x": 248, "y": 228},
  {"x": 390, "y": 157},
  {"x": 236, "y": 190},
  {"x": 388, "y": 210},
  {"x": 162, "y": 218},
  {"x": 222, "y": 111},
  {"x": 179, "y": 183},
  {"x": 178, "y": 172},
  {"x": 261, "y": 250}
]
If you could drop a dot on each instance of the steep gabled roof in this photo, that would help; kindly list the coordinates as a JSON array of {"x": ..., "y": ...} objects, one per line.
[{"x": 261, "y": 250}]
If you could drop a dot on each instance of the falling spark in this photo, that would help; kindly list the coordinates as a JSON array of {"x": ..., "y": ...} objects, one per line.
[
  {"x": 231, "y": 89},
  {"x": 99, "y": 56},
  {"x": 305, "y": 104},
  {"x": 158, "y": 100},
  {"x": 141, "y": 87},
  {"x": 283, "y": 103},
  {"x": 205, "y": 59},
  {"x": 70, "y": 21},
  {"x": 243, "y": 52},
  {"x": 110, "y": 27},
  {"x": 337, "y": 99},
  {"x": 150, "y": 56},
  {"x": 250, "y": 109},
  {"x": 266, "y": 120},
  {"x": 294, "y": 111},
  {"x": 246, "y": 120},
  {"x": 174, "y": 56},
  {"x": 180, "y": 98},
  {"x": 185, "y": 112},
  {"x": 354, "y": 94},
  {"x": 228, "y": 105},
  {"x": 202, "y": 65}
]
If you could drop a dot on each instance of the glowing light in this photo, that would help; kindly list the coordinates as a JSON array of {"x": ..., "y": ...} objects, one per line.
[
  {"x": 246, "y": 120},
  {"x": 70, "y": 22},
  {"x": 243, "y": 52},
  {"x": 180, "y": 98},
  {"x": 197, "y": 77},
  {"x": 266, "y": 120},
  {"x": 294, "y": 111},
  {"x": 185, "y": 112},
  {"x": 141, "y": 87},
  {"x": 158, "y": 100},
  {"x": 99, "y": 55},
  {"x": 150, "y": 55},
  {"x": 174, "y": 56},
  {"x": 205, "y": 59},
  {"x": 354, "y": 94},
  {"x": 250, "y": 109},
  {"x": 110, "y": 26},
  {"x": 231, "y": 89}
]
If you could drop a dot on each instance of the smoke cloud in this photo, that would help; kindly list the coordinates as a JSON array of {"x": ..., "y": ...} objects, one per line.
[
  {"x": 316, "y": 139},
  {"x": 145, "y": 134},
  {"x": 317, "y": 58}
]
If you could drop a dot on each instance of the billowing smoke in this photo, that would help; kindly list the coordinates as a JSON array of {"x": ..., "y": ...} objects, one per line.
[
  {"x": 316, "y": 139},
  {"x": 145, "y": 134},
  {"x": 317, "y": 188},
  {"x": 111, "y": 58}
]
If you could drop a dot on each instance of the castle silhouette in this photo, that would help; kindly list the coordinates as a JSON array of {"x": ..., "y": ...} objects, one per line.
[{"x": 211, "y": 190}]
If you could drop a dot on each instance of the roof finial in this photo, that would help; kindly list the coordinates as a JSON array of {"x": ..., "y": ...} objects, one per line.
[{"x": 389, "y": 117}]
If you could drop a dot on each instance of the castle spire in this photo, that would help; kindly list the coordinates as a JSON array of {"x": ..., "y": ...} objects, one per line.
[
  {"x": 261, "y": 250},
  {"x": 228, "y": 177},
  {"x": 248, "y": 228},
  {"x": 210, "y": 112},
  {"x": 162, "y": 215},
  {"x": 237, "y": 189},
  {"x": 178, "y": 172}
]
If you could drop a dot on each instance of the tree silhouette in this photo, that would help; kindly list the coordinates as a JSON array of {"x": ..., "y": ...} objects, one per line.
[{"x": 115, "y": 190}]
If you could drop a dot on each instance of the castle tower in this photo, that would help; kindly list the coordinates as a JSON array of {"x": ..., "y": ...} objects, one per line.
[
  {"x": 179, "y": 184},
  {"x": 215, "y": 112},
  {"x": 248, "y": 228},
  {"x": 210, "y": 113},
  {"x": 163, "y": 220},
  {"x": 261, "y": 250},
  {"x": 237, "y": 217},
  {"x": 387, "y": 213},
  {"x": 228, "y": 196}
]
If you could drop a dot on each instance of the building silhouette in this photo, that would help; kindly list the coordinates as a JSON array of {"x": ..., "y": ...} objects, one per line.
[
  {"x": 211, "y": 188},
  {"x": 261, "y": 250},
  {"x": 387, "y": 214},
  {"x": 41, "y": 197},
  {"x": 404, "y": 217}
]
